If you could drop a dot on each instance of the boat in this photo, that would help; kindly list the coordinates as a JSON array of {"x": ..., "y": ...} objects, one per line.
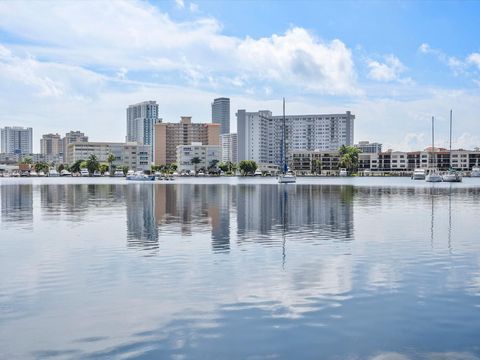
[
  {"x": 475, "y": 172},
  {"x": 53, "y": 173},
  {"x": 201, "y": 173},
  {"x": 41, "y": 173},
  {"x": 451, "y": 175},
  {"x": 287, "y": 177},
  {"x": 257, "y": 173},
  {"x": 84, "y": 172},
  {"x": 418, "y": 174},
  {"x": 65, "y": 173},
  {"x": 343, "y": 172},
  {"x": 432, "y": 172},
  {"x": 106, "y": 173},
  {"x": 97, "y": 173},
  {"x": 140, "y": 176},
  {"x": 118, "y": 173},
  {"x": 33, "y": 173}
]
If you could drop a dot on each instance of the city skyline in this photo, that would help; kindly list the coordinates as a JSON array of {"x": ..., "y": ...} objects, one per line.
[{"x": 56, "y": 75}]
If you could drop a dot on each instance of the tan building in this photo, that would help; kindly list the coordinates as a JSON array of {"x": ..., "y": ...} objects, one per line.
[
  {"x": 70, "y": 138},
  {"x": 51, "y": 144},
  {"x": 170, "y": 135}
]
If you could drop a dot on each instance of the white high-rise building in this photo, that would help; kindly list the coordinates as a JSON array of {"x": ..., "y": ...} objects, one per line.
[
  {"x": 17, "y": 140},
  {"x": 141, "y": 118},
  {"x": 229, "y": 147},
  {"x": 260, "y": 134}
]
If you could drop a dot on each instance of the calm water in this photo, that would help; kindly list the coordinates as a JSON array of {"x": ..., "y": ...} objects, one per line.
[{"x": 239, "y": 269}]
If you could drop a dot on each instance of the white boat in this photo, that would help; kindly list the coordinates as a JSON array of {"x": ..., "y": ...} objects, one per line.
[
  {"x": 140, "y": 176},
  {"x": 201, "y": 173},
  {"x": 84, "y": 172},
  {"x": 287, "y": 178},
  {"x": 419, "y": 174},
  {"x": 65, "y": 173},
  {"x": 41, "y": 173},
  {"x": 106, "y": 173},
  {"x": 118, "y": 173},
  {"x": 451, "y": 175},
  {"x": 257, "y": 173},
  {"x": 475, "y": 172},
  {"x": 33, "y": 173},
  {"x": 432, "y": 173},
  {"x": 97, "y": 173},
  {"x": 343, "y": 172},
  {"x": 53, "y": 173}
]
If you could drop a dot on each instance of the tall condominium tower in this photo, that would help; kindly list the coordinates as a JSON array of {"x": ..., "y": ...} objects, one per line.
[
  {"x": 141, "y": 118},
  {"x": 51, "y": 144},
  {"x": 17, "y": 140},
  {"x": 260, "y": 134},
  {"x": 229, "y": 147},
  {"x": 221, "y": 114},
  {"x": 170, "y": 135}
]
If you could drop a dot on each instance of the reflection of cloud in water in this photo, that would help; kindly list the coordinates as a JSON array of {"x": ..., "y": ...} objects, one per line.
[
  {"x": 390, "y": 356},
  {"x": 384, "y": 275}
]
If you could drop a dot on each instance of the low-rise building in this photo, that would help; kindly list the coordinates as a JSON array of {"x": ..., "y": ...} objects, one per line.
[
  {"x": 305, "y": 161},
  {"x": 368, "y": 147},
  {"x": 132, "y": 155},
  {"x": 205, "y": 153}
]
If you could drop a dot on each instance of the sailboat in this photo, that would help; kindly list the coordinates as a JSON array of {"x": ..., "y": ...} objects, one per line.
[
  {"x": 287, "y": 177},
  {"x": 452, "y": 175},
  {"x": 432, "y": 173}
]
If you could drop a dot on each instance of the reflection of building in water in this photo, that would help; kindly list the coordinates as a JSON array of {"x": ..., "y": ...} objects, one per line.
[
  {"x": 266, "y": 208},
  {"x": 141, "y": 224},
  {"x": 17, "y": 203},
  {"x": 191, "y": 209}
]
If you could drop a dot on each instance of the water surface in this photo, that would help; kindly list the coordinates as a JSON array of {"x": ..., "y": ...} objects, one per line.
[{"x": 240, "y": 269}]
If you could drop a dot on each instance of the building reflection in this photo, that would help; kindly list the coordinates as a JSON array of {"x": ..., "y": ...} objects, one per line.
[{"x": 17, "y": 203}]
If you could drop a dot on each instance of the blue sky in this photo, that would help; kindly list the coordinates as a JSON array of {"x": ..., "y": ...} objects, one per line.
[{"x": 77, "y": 65}]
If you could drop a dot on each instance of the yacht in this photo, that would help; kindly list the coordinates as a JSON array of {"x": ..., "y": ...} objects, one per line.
[
  {"x": 257, "y": 173},
  {"x": 475, "y": 172},
  {"x": 418, "y": 174},
  {"x": 84, "y": 173},
  {"x": 343, "y": 172},
  {"x": 451, "y": 175},
  {"x": 118, "y": 173},
  {"x": 140, "y": 176},
  {"x": 65, "y": 173},
  {"x": 33, "y": 173},
  {"x": 287, "y": 177},
  {"x": 97, "y": 173},
  {"x": 432, "y": 173},
  {"x": 201, "y": 173},
  {"x": 53, "y": 173},
  {"x": 106, "y": 173},
  {"x": 41, "y": 173}
]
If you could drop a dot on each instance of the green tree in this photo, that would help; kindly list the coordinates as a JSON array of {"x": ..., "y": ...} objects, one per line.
[
  {"x": 195, "y": 161},
  {"x": 27, "y": 160},
  {"x": 104, "y": 168},
  {"x": 213, "y": 167},
  {"x": 247, "y": 167},
  {"x": 349, "y": 157},
  {"x": 41, "y": 166},
  {"x": 61, "y": 167},
  {"x": 92, "y": 164},
  {"x": 110, "y": 159},
  {"x": 223, "y": 167},
  {"x": 76, "y": 166},
  {"x": 316, "y": 166}
]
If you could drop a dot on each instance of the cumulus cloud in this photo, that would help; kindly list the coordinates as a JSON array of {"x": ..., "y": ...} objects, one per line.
[
  {"x": 459, "y": 66},
  {"x": 474, "y": 59},
  {"x": 389, "y": 70}
]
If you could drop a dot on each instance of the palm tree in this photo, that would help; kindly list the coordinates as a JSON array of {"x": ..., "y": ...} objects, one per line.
[
  {"x": 195, "y": 161},
  {"x": 76, "y": 166},
  {"x": 316, "y": 166},
  {"x": 27, "y": 160},
  {"x": 110, "y": 159},
  {"x": 92, "y": 164}
]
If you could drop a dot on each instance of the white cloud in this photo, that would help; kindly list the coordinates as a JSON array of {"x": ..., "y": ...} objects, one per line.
[
  {"x": 474, "y": 59},
  {"x": 389, "y": 70},
  {"x": 180, "y": 4},
  {"x": 193, "y": 7}
]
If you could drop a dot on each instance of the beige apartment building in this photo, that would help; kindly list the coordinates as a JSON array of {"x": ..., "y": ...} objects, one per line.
[{"x": 170, "y": 135}]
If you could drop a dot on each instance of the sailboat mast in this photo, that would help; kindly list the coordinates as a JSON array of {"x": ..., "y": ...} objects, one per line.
[
  {"x": 450, "y": 139},
  {"x": 284, "y": 140},
  {"x": 433, "y": 141}
]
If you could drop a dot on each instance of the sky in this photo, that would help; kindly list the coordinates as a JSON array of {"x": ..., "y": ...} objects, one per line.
[{"x": 77, "y": 65}]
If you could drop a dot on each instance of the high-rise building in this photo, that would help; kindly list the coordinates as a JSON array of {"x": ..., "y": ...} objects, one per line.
[
  {"x": 141, "y": 119},
  {"x": 221, "y": 114},
  {"x": 70, "y": 138},
  {"x": 368, "y": 147},
  {"x": 17, "y": 140},
  {"x": 51, "y": 144},
  {"x": 229, "y": 147},
  {"x": 170, "y": 135},
  {"x": 260, "y": 134}
]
